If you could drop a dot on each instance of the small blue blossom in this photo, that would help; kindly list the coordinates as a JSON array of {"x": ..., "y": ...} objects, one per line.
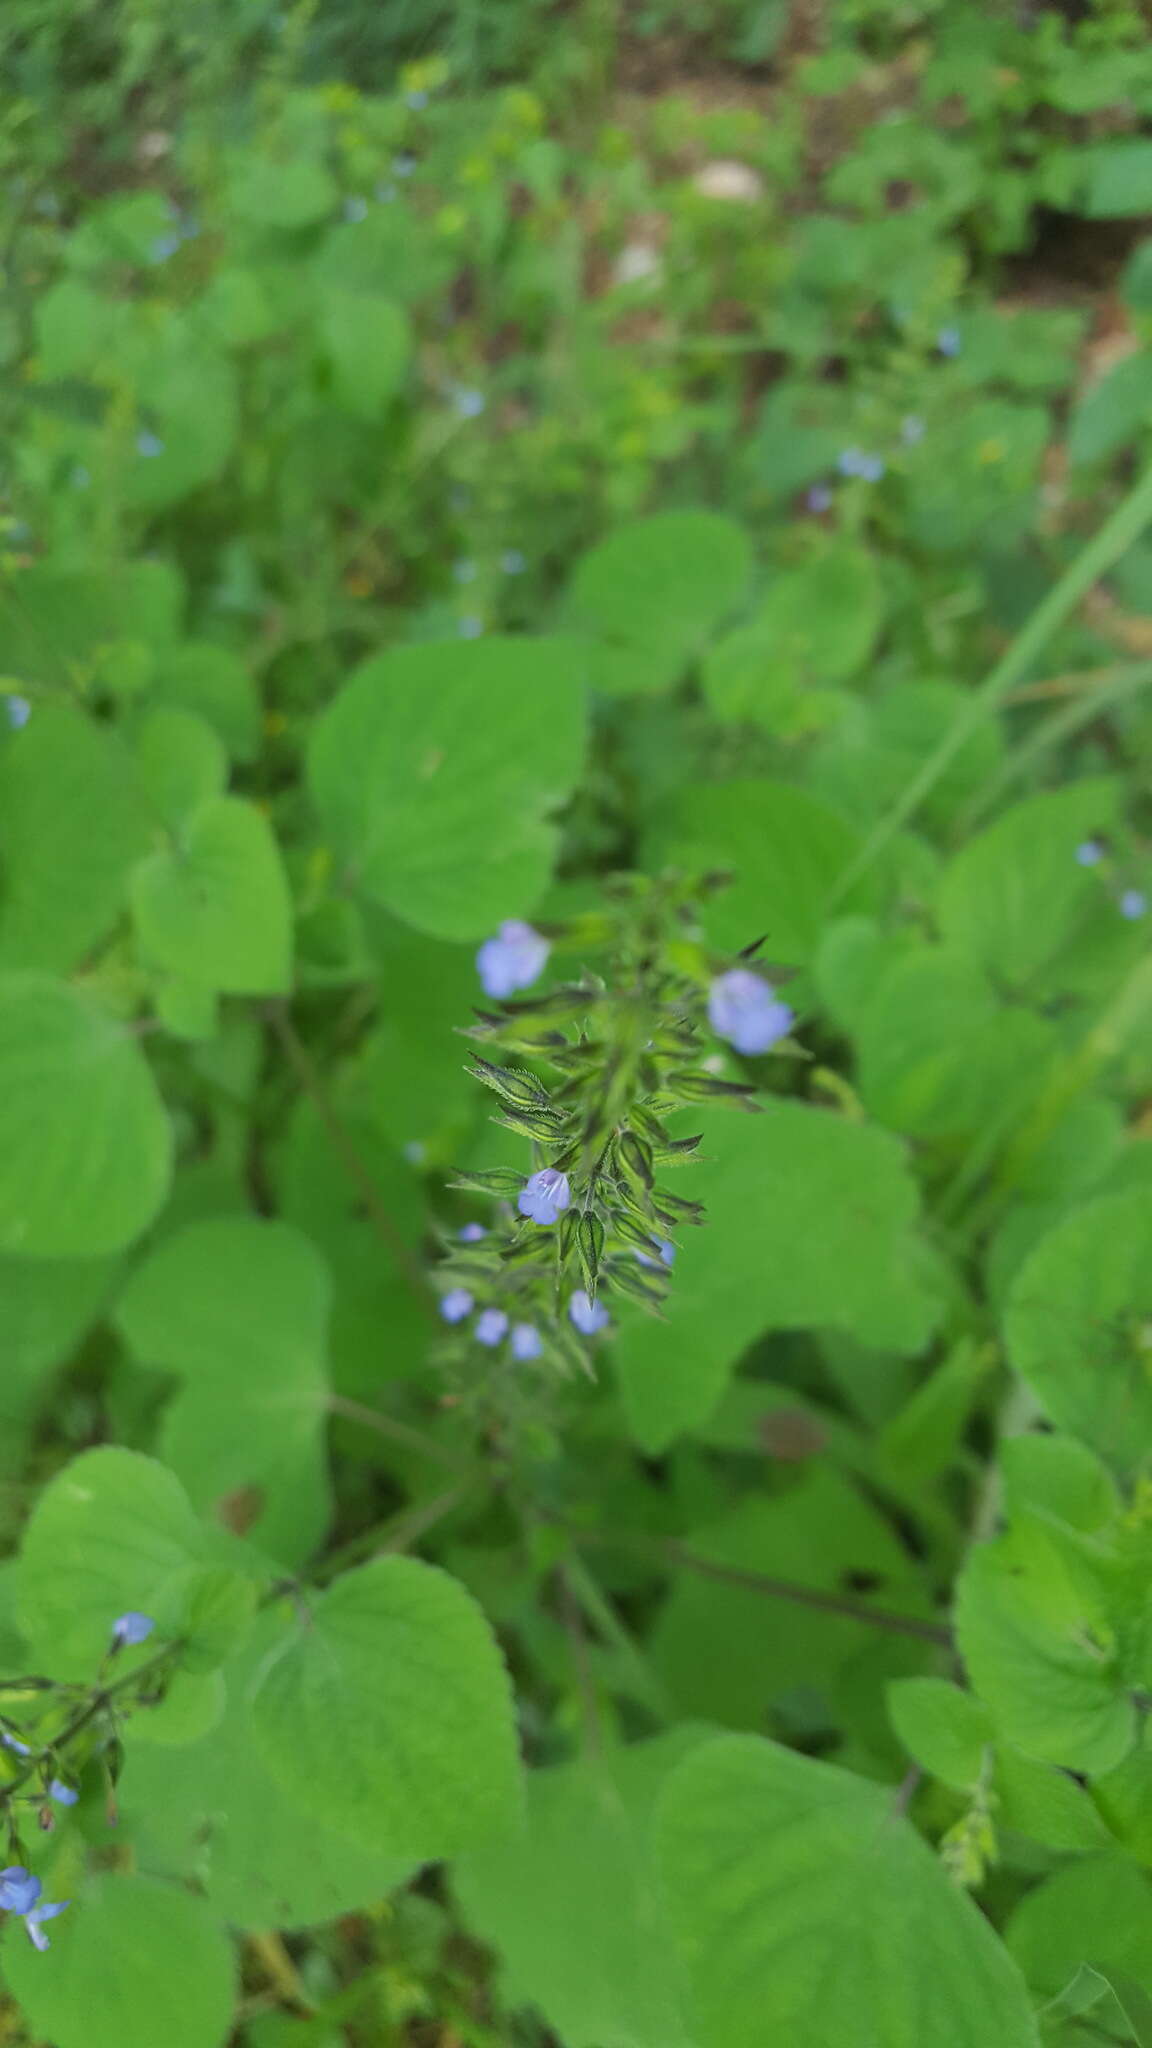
[
  {"x": 1133, "y": 903},
  {"x": 386, "y": 192},
  {"x": 416, "y": 101},
  {"x": 131, "y": 1628},
  {"x": 403, "y": 165},
  {"x": 14, "y": 1743},
  {"x": 745, "y": 1009},
  {"x": 544, "y": 1195},
  {"x": 457, "y": 1304},
  {"x": 149, "y": 445},
  {"x": 464, "y": 571},
  {"x": 912, "y": 430},
  {"x": 588, "y": 1316},
  {"x": 356, "y": 208},
  {"x": 80, "y": 478},
  {"x": 19, "y": 1890},
  {"x": 18, "y": 711},
  {"x": 33, "y": 1920},
  {"x": 491, "y": 1327},
  {"x": 415, "y": 1152},
  {"x": 857, "y": 462},
  {"x": 514, "y": 959},
  {"x": 513, "y": 562},
  {"x": 819, "y": 498},
  {"x": 871, "y": 468},
  {"x": 468, "y": 402},
  {"x": 1089, "y": 853},
  {"x": 63, "y": 1794},
  {"x": 164, "y": 247},
  {"x": 948, "y": 341},
  {"x": 470, "y": 627},
  {"x": 526, "y": 1342},
  {"x": 666, "y": 1249},
  {"x": 471, "y": 1233}
]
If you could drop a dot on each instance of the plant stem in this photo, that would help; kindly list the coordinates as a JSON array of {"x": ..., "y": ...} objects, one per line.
[
  {"x": 397, "y": 1533},
  {"x": 395, "y": 1431}
]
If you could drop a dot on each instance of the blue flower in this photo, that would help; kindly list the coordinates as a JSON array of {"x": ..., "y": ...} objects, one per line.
[
  {"x": 1089, "y": 853},
  {"x": 403, "y": 165},
  {"x": 19, "y": 711},
  {"x": 514, "y": 959},
  {"x": 164, "y": 247},
  {"x": 470, "y": 627},
  {"x": 416, "y": 101},
  {"x": 666, "y": 1249},
  {"x": 457, "y": 1304},
  {"x": 463, "y": 571},
  {"x": 871, "y": 468},
  {"x": 356, "y": 208},
  {"x": 149, "y": 444},
  {"x": 471, "y": 1233},
  {"x": 132, "y": 1628},
  {"x": 62, "y": 1793},
  {"x": 948, "y": 341},
  {"x": 544, "y": 1195},
  {"x": 744, "y": 1009},
  {"x": 491, "y": 1326},
  {"x": 468, "y": 403},
  {"x": 588, "y": 1316},
  {"x": 19, "y": 1890},
  {"x": 1133, "y": 903},
  {"x": 513, "y": 562},
  {"x": 386, "y": 192},
  {"x": 856, "y": 462},
  {"x": 819, "y": 498},
  {"x": 13, "y": 1743},
  {"x": 912, "y": 430},
  {"x": 33, "y": 1920},
  {"x": 80, "y": 478},
  {"x": 526, "y": 1342}
]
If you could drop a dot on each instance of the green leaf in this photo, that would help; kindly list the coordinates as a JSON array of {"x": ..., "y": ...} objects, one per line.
[
  {"x": 944, "y": 1728},
  {"x": 45, "y": 1307},
  {"x": 182, "y": 763},
  {"x": 809, "y": 1911},
  {"x": 389, "y": 1712},
  {"x": 112, "y": 1531},
  {"x": 436, "y": 770},
  {"x": 1112, "y": 413},
  {"x": 1119, "y": 180},
  {"x": 786, "y": 849},
  {"x": 238, "y": 1308},
  {"x": 572, "y": 1908},
  {"x": 817, "y": 625},
  {"x": 85, "y": 1145},
  {"x": 1031, "y": 1649},
  {"x": 215, "y": 905},
  {"x": 1060, "y": 1476},
  {"x": 1014, "y": 895},
  {"x": 128, "y": 1950},
  {"x": 1046, "y": 1804},
  {"x": 650, "y": 594},
  {"x": 368, "y": 343},
  {"x": 1077, "y": 1325},
  {"x": 213, "y": 683},
  {"x": 1097, "y": 1910},
  {"x": 792, "y": 1196},
  {"x": 62, "y": 883},
  {"x": 214, "y": 1811},
  {"x": 54, "y": 619},
  {"x": 290, "y": 192}
]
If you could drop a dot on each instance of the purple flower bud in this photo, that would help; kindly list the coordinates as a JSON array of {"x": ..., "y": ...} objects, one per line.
[
  {"x": 744, "y": 1009},
  {"x": 526, "y": 1342},
  {"x": 33, "y": 1920},
  {"x": 19, "y": 711},
  {"x": 356, "y": 208},
  {"x": 1089, "y": 853},
  {"x": 912, "y": 430},
  {"x": 19, "y": 1890},
  {"x": 149, "y": 445},
  {"x": 1133, "y": 903},
  {"x": 588, "y": 1316},
  {"x": 471, "y": 1233},
  {"x": 131, "y": 1628},
  {"x": 544, "y": 1195},
  {"x": 513, "y": 562},
  {"x": 948, "y": 341},
  {"x": 491, "y": 1327},
  {"x": 514, "y": 959},
  {"x": 457, "y": 1304},
  {"x": 62, "y": 1793},
  {"x": 819, "y": 498}
]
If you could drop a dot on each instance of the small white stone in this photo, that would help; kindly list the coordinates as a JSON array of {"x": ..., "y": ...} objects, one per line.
[
  {"x": 726, "y": 179},
  {"x": 637, "y": 261}
]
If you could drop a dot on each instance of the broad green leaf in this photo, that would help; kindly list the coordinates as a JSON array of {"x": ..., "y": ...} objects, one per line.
[
  {"x": 214, "y": 905},
  {"x": 410, "y": 1072},
  {"x": 112, "y": 1531},
  {"x": 238, "y": 1309},
  {"x": 809, "y": 1911},
  {"x": 63, "y": 882},
  {"x": 1097, "y": 1910},
  {"x": 786, "y": 851},
  {"x": 45, "y": 1307},
  {"x": 864, "y": 762},
  {"x": 1119, "y": 180},
  {"x": 85, "y": 1144},
  {"x": 289, "y": 192},
  {"x": 944, "y": 1729},
  {"x": 1032, "y": 1652},
  {"x": 939, "y": 1056},
  {"x": 816, "y": 625},
  {"x": 572, "y": 1908},
  {"x": 54, "y": 619},
  {"x": 1059, "y": 1475},
  {"x": 213, "y": 1809},
  {"x": 1046, "y": 1804},
  {"x": 213, "y": 683},
  {"x": 128, "y": 1950},
  {"x": 1014, "y": 895},
  {"x": 367, "y": 341},
  {"x": 649, "y": 595},
  {"x": 182, "y": 763},
  {"x": 436, "y": 771},
  {"x": 389, "y": 1713},
  {"x": 1078, "y": 1325},
  {"x": 191, "y": 410},
  {"x": 792, "y": 1196},
  {"x": 1112, "y": 413}
]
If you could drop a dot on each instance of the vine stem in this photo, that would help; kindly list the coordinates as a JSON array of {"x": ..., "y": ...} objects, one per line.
[
  {"x": 1112, "y": 540},
  {"x": 99, "y": 1700}
]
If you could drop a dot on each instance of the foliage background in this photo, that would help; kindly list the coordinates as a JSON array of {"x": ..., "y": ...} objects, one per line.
[{"x": 452, "y": 454}]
